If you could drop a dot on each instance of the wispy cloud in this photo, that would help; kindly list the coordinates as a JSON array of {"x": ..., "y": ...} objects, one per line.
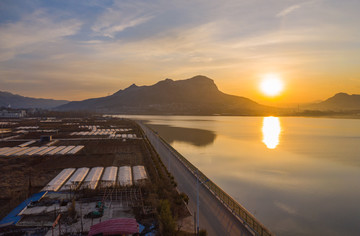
[
  {"x": 31, "y": 31},
  {"x": 288, "y": 10},
  {"x": 131, "y": 22},
  {"x": 120, "y": 17}
]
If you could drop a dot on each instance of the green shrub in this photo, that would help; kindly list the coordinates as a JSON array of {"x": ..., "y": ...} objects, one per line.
[
  {"x": 202, "y": 232},
  {"x": 185, "y": 198},
  {"x": 167, "y": 221}
]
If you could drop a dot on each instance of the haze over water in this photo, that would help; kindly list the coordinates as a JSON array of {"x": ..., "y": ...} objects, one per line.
[{"x": 298, "y": 176}]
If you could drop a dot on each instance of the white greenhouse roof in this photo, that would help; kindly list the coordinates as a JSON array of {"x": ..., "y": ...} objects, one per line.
[
  {"x": 57, "y": 149},
  {"x": 76, "y": 149},
  {"x": 35, "y": 151},
  {"x": 76, "y": 179},
  {"x": 139, "y": 173},
  {"x": 92, "y": 179},
  {"x": 124, "y": 176},
  {"x": 65, "y": 150},
  {"x": 59, "y": 180},
  {"x": 109, "y": 177}
]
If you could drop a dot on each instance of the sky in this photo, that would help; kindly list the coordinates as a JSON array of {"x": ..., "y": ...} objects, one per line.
[{"x": 83, "y": 49}]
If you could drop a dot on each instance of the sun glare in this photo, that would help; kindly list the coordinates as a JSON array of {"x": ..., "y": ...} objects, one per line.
[
  {"x": 271, "y": 85},
  {"x": 271, "y": 131}
]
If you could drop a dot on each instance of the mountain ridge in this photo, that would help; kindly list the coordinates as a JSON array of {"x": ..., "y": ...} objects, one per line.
[
  {"x": 17, "y": 101},
  {"x": 197, "y": 95},
  {"x": 339, "y": 102}
]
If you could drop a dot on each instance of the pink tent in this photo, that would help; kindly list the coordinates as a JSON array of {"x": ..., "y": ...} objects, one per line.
[{"x": 115, "y": 226}]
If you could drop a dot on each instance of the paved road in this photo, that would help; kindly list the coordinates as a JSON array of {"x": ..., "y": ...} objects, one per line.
[{"x": 214, "y": 216}]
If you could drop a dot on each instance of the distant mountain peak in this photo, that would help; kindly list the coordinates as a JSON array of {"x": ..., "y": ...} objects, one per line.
[
  {"x": 196, "y": 82},
  {"x": 165, "y": 82},
  {"x": 339, "y": 102},
  {"x": 341, "y": 94},
  {"x": 200, "y": 77},
  {"x": 343, "y": 97},
  {"x": 133, "y": 86}
]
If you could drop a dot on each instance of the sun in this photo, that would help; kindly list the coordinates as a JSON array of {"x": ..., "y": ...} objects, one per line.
[{"x": 271, "y": 85}]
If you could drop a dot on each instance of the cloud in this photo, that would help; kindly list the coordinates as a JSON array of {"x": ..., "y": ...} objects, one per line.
[
  {"x": 120, "y": 17},
  {"x": 31, "y": 31},
  {"x": 288, "y": 10},
  {"x": 143, "y": 41},
  {"x": 110, "y": 31},
  {"x": 283, "y": 37}
]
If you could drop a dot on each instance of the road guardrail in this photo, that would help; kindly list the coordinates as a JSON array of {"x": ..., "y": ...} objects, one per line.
[{"x": 239, "y": 211}]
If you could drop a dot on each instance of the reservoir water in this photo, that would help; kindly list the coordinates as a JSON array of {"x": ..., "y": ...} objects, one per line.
[{"x": 298, "y": 176}]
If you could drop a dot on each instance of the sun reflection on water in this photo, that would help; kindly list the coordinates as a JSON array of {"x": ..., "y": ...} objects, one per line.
[{"x": 271, "y": 130}]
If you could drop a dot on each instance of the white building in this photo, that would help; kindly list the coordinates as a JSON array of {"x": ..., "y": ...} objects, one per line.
[{"x": 12, "y": 114}]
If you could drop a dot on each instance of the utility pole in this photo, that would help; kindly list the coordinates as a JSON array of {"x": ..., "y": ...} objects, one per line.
[
  {"x": 195, "y": 222},
  {"x": 81, "y": 216}
]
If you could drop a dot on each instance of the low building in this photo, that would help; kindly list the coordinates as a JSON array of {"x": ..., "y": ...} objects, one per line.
[{"x": 12, "y": 113}]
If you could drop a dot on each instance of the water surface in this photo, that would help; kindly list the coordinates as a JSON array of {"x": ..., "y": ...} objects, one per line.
[{"x": 298, "y": 176}]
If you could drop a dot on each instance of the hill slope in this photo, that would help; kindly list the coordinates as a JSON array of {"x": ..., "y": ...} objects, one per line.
[
  {"x": 339, "y": 102},
  {"x": 17, "y": 101},
  {"x": 195, "y": 96}
]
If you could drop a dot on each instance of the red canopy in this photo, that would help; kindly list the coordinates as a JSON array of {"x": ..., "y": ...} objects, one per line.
[{"x": 115, "y": 226}]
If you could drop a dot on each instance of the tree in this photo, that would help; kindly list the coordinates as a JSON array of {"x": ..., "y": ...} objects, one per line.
[
  {"x": 202, "y": 232},
  {"x": 167, "y": 221}
]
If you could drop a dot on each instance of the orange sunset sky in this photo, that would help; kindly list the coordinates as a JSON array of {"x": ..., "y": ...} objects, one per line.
[{"x": 82, "y": 49}]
